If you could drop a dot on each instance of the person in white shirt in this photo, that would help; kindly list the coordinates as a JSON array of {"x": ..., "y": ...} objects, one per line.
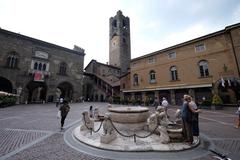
[{"x": 165, "y": 105}]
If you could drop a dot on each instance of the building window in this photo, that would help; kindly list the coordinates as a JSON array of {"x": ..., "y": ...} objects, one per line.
[
  {"x": 134, "y": 65},
  {"x": 203, "y": 68},
  {"x": 200, "y": 48},
  {"x": 152, "y": 76},
  {"x": 172, "y": 55},
  {"x": 12, "y": 60},
  {"x": 135, "y": 79},
  {"x": 123, "y": 85},
  {"x": 44, "y": 67},
  {"x": 174, "y": 74},
  {"x": 151, "y": 60},
  {"x": 40, "y": 66},
  {"x": 62, "y": 69}
]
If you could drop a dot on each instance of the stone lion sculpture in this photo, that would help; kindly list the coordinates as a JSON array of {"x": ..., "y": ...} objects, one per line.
[
  {"x": 88, "y": 123},
  {"x": 109, "y": 134},
  {"x": 107, "y": 125}
]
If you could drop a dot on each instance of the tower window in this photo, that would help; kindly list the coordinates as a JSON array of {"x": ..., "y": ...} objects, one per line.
[{"x": 114, "y": 23}]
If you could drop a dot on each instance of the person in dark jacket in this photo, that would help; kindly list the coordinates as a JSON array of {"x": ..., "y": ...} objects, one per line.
[{"x": 65, "y": 108}]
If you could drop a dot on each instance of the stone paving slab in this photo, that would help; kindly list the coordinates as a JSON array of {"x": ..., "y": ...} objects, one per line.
[
  {"x": 52, "y": 148},
  {"x": 13, "y": 139}
]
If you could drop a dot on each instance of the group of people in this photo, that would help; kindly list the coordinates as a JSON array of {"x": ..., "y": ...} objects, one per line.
[{"x": 189, "y": 113}]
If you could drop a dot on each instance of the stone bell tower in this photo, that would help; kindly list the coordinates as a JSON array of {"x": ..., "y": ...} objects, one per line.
[{"x": 119, "y": 42}]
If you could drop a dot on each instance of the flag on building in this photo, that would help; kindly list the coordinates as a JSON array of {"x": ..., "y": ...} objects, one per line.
[
  {"x": 229, "y": 82},
  {"x": 38, "y": 76},
  {"x": 222, "y": 81}
]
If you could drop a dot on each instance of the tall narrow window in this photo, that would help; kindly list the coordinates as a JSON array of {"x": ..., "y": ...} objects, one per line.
[
  {"x": 152, "y": 76},
  {"x": 40, "y": 66},
  {"x": 174, "y": 74},
  {"x": 135, "y": 79},
  {"x": 203, "y": 68},
  {"x": 44, "y": 67},
  {"x": 62, "y": 69},
  {"x": 12, "y": 61}
]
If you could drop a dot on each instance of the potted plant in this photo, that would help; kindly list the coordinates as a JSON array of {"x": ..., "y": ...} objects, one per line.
[
  {"x": 217, "y": 102},
  {"x": 206, "y": 104}
]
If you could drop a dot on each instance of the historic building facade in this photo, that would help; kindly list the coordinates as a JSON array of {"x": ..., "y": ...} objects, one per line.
[
  {"x": 39, "y": 71},
  {"x": 101, "y": 82},
  {"x": 200, "y": 67}
]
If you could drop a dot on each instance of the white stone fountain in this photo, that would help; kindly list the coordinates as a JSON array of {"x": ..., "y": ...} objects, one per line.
[{"x": 131, "y": 129}]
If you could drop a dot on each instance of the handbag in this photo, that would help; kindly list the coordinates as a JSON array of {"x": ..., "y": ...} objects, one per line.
[{"x": 59, "y": 114}]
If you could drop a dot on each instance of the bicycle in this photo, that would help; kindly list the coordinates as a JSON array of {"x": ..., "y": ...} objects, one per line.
[{"x": 219, "y": 156}]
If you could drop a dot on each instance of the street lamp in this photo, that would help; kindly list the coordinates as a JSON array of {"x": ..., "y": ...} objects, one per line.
[{"x": 19, "y": 91}]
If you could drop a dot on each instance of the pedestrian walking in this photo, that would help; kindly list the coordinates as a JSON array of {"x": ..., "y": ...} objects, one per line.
[
  {"x": 65, "y": 108},
  {"x": 57, "y": 102},
  {"x": 165, "y": 105},
  {"x": 238, "y": 113},
  {"x": 91, "y": 111}
]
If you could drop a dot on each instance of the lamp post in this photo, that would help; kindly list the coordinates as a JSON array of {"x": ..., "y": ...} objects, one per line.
[{"x": 19, "y": 91}]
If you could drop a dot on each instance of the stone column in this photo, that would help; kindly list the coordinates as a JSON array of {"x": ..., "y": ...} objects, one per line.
[
  {"x": 144, "y": 96},
  {"x": 156, "y": 95},
  {"x": 173, "y": 97},
  {"x": 132, "y": 96}
]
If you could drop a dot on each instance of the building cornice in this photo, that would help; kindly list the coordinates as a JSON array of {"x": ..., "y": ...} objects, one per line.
[
  {"x": 179, "y": 86},
  {"x": 40, "y": 42}
]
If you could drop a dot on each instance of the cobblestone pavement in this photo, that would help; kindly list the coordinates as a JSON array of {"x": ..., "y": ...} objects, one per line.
[{"x": 32, "y": 131}]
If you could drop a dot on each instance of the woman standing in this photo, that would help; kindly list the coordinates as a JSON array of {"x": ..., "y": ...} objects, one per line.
[{"x": 195, "y": 126}]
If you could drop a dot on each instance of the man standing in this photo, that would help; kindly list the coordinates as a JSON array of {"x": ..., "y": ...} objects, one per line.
[{"x": 165, "y": 105}]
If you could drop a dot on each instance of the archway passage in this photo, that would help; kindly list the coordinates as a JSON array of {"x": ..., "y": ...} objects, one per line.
[
  {"x": 66, "y": 89},
  {"x": 36, "y": 92},
  {"x": 5, "y": 85}
]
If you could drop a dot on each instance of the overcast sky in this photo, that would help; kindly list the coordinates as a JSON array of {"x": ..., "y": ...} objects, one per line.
[{"x": 154, "y": 24}]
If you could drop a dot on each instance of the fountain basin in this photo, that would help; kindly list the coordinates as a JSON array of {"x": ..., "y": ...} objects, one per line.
[{"x": 129, "y": 114}]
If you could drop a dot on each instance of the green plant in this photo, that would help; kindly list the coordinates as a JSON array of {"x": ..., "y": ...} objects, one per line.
[
  {"x": 206, "y": 103},
  {"x": 216, "y": 100},
  {"x": 7, "y": 100}
]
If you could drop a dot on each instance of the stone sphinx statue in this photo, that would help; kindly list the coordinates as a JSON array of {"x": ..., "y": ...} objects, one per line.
[
  {"x": 88, "y": 123},
  {"x": 109, "y": 134}
]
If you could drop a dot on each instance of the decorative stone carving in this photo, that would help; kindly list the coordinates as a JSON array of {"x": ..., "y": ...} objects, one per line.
[
  {"x": 88, "y": 123},
  {"x": 178, "y": 119},
  {"x": 109, "y": 134}
]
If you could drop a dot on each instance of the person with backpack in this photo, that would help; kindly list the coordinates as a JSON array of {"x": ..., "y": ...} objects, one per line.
[{"x": 65, "y": 108}]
